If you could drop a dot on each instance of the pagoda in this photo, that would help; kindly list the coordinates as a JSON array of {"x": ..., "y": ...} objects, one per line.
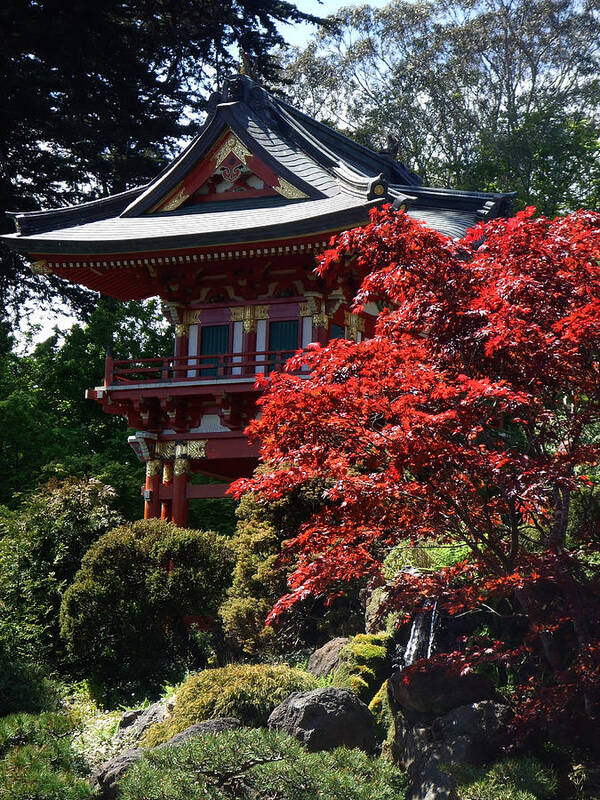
[{"x": 226, "y": 236}]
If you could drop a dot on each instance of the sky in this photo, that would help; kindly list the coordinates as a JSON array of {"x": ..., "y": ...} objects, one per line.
[{"x": 297, "y": 35}]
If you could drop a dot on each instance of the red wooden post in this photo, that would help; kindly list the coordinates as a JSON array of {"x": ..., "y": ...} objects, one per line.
[
  {"x": 152, "y": 490},
  {"x": 181, "y": 351},
  {"x": 180, "y": 499},
  {"x": 167, "y": 480}
]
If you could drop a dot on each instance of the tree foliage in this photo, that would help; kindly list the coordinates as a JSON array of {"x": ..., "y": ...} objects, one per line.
[
  {"x": 96, "y": 96},
  {"x": 470, "y": 417},
  {"x": 487, "y": 95},
  {"x": 137, "y": 584}
]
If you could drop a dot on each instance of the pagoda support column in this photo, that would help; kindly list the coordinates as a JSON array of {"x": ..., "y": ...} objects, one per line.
[
  {"x": 167, "y": 480},
  {"x": 320, "y": 326},
  {"x": 152, "y": 489},
  {"x": 180, "y": 485},
  {"x": 181, "y": 350}
]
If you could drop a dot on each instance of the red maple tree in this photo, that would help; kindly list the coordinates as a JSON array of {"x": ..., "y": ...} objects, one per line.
[{"x": 471, "y": 416}]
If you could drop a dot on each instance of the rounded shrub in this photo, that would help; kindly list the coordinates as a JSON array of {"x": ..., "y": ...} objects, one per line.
[
  {"x": 262, "y": 765},
  {"x": 246, "y": 691},
  {"x": 124, "y": 616}
]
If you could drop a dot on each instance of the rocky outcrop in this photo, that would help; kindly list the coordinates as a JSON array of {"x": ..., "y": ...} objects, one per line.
[
  {"x": 324, "y": 719},
  {"x": 210, "y": 726},
  {"x": 327, "y": 658},
  {"x": 435, "y": 690},
  {"x": 105, "y": 779}
]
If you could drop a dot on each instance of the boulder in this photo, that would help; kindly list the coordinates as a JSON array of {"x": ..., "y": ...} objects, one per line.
[
  {"x": 210, "y": 726},
  {"x": 324, "y": 719},
  {"x": 435, "y": 690},
  {"x": 129, "y": 717},
  {"x": 327, "y": 658},
  {"x": 484, "y": 724},
  {"x": 157, "y": 712},
  {"x": 105, "y": 778}
]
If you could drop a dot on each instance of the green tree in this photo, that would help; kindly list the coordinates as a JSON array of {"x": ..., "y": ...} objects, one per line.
[
  {"x": 482, "y": 95},
  {"x": 96, "y": 95},
  {"x": 51, "y": 430},
  {"x": 41, "y": 549}
]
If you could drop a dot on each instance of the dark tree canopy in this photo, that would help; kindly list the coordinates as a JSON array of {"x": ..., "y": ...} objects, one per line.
[{"x": 95, "y": 95}]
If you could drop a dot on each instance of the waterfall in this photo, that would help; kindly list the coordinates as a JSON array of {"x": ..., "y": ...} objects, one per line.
[{"x": 421, "y": 641}]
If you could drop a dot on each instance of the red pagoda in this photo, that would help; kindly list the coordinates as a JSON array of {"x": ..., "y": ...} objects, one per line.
[{"x": 226, "y": 236}]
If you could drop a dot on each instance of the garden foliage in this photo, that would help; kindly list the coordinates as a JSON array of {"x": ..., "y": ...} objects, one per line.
[
  {"x": 246, "y": 691},
  {"x": 260, "y": 765},
  {"x": 470, "y": 418},
  {"x": 122, "y": 618}
]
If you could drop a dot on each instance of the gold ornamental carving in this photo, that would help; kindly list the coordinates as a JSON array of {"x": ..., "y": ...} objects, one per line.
[
  {"x": 167, "y": 473},
  {"x": 286, "y": 189},
  {"x": 175, "y": 201},
  {"x": 40, "y": 267},
  {"x": 165, "y": 450},
  {"x": 181, "y": 330},
  {"x": 191, "y": 448},
  {"x": 182, "y": 466},
  {"x": 353, "y": 324},
  {"x": 153, "y": 468},
  {"x": 192, "y": 316},
  {"x": 320, "y": 320},
  {"x": 249, "y": 315},
  {"x": 231, "y": 145}
]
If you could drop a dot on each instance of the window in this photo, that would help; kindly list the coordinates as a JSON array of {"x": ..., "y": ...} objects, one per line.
[
  {"x": 214, "y": 340},
  {"x": 283, "y": 339},
  {"x": 337, "y": 331}
]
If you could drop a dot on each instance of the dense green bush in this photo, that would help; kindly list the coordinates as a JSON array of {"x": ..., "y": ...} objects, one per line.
[
  {"x": 41, "y": 547},
  {"x": 260, "y": 579},
  {"x": 123, "y": 617},
  {"x": 246, "y": 691},
  {"x": 36, "y": 759},
  {"x": 260, "y": 765},
  {"x": 363, "y": 664},
  {"x": 522, "y": 778}
]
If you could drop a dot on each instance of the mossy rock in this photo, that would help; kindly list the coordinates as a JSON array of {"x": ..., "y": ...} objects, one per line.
[
  {"x": 363, "y": 664},
  {"x": 246, "y": 691},
  {"x": 384, "y": 719}
]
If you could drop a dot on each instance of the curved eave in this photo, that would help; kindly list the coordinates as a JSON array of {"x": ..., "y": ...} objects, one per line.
[{"x": 142, "y": 235}]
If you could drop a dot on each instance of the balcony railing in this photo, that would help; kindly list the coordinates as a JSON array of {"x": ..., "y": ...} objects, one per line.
[{"x": 226, "y": 366}]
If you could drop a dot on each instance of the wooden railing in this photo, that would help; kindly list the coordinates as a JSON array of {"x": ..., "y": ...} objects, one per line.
[{"x": 225, "y": 366}]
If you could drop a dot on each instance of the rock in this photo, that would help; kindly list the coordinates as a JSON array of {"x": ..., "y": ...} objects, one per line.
[
  {"x": 210, "y": 726},
  {"x": 434, "y": 785},
  {"x": 323, "y": 719},
  {"x": 484, "y": 724},
  {"x": 105, "y": 778},
  {"x": 327, "y": 658},
  {"x": 157, "y": 712},
  {"x": 435, "y": 690},
  {"x": 129, "y": 717}
]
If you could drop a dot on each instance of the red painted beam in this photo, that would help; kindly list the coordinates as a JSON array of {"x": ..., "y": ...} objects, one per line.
[{"x": 203, "y": 491}]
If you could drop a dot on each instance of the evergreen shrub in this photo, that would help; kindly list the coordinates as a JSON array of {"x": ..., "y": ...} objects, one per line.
[
  {"x": 260, "y": 579},
  {"x": 523, "y": 778},
  {"x": 123, "y": 617},
  {"x": 246, "y": 691},
  {"x": 262, "y": 765},
  {"x": 37, "y": 761}
]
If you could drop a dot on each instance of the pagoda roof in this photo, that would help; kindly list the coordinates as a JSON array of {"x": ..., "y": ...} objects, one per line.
[{"x": 312, "y": 180}]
